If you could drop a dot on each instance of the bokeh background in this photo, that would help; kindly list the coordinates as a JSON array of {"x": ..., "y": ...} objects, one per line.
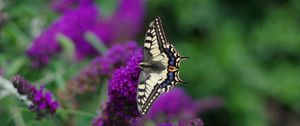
[{"x": 244, "y": 53}]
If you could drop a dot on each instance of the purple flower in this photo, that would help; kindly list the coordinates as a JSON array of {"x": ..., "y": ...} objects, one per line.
[
  {"x": 121, "y": 107},
  {"x": 116, "y": 57},
  {"x": 191, "y": 122},
  {"x": 42, "y": 102},
  {"x": 73, "y": 25},
  {"x": 102, "y": 66},
  {"x": 166, "y": 124},
  {"x": 176, "y": 106},
  {"x": 121, "y": 26},
  {"x": 124, "y": 24},
  {"x": 172, "y": 106},
  {"x": 64, "y": 6}
]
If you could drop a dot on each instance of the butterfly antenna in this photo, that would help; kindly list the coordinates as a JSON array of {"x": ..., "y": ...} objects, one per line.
[
  {"x": 185, "y": 82},
  {"x": 184, "y": 57}
]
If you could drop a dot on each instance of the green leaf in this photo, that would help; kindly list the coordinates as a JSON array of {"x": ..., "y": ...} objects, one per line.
[
  {"x": 58, "y": 77},
  {"x": 14, "y": 67},
  {"x": 103, "y": 92},
  {"x": 107, "y": 7},
  {"x": 96, "y": 42},
  {"x": 17, "y": 116},
  {"x": 67, "y": 44}
]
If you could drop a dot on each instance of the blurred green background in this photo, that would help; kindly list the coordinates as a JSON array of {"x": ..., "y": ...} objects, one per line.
[{"x": 246, "y": 52}]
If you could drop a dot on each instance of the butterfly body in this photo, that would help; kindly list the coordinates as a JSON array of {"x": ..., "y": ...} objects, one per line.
[{"x": 160, "y": 67}]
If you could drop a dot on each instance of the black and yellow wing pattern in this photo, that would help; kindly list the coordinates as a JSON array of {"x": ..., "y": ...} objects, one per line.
[{"x": 160, "y": 67}]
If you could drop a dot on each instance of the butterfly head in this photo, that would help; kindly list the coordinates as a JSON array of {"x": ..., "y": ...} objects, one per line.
[
  {"x": 143, "y": 65},
  {"x": 172, "y": 69}
]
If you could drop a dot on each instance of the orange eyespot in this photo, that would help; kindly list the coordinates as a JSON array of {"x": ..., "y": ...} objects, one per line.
[{"x": 172, "y": 68}]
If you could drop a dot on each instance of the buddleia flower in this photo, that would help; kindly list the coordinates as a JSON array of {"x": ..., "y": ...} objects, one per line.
[
  {"x": 173, "y": 105},
  {"x": 43, "y": 103},
  {"x": 190, "y": 122},
  {"x": 121, "y": 107},
  {"x": 73, "y": 25},
  {"x": 64, "y": 6},
  {"x": 124, "y": 24},
  {"x": 176, "y": 108},
  {"x": 100, "y": 68},
  {"x": 121, "y": 26},
  {"x": 165, "y": 124}
]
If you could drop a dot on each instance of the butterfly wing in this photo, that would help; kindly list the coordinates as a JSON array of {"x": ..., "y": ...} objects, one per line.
[
  {"x": 153, "y": 46},
  {"x": 157, "y": 52}
]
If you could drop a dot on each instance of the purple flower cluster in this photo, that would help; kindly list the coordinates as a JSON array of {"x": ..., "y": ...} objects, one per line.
[
  {"x": 164, "y": 109},
  {"x": 124, "y": 24},
  {"x": 102, "y": 66},
  {"x": 73, "y": 25},
  {"x": 42, "y": 102},
  {"x": 84, "y": 17},
  {"x": 64, "y": 6},
  {"x": 191, "y": 122},
  {"x": 116, "y": 57},
  {"x": 176, "y": 106},
  {"x": 121, "y": 108}
]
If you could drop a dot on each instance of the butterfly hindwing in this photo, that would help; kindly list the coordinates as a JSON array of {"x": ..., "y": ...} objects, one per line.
[
  {"x": 159, "y": 67},
  {"x": 149, "y": 87},
  {"x": 148, "y": 91}
]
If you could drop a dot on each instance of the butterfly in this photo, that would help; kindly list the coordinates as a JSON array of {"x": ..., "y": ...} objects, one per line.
[{"x": 160, "y": 67}]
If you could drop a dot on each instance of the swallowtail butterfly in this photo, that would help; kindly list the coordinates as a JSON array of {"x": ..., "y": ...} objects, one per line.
[{"x": 160, "y": 67}]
